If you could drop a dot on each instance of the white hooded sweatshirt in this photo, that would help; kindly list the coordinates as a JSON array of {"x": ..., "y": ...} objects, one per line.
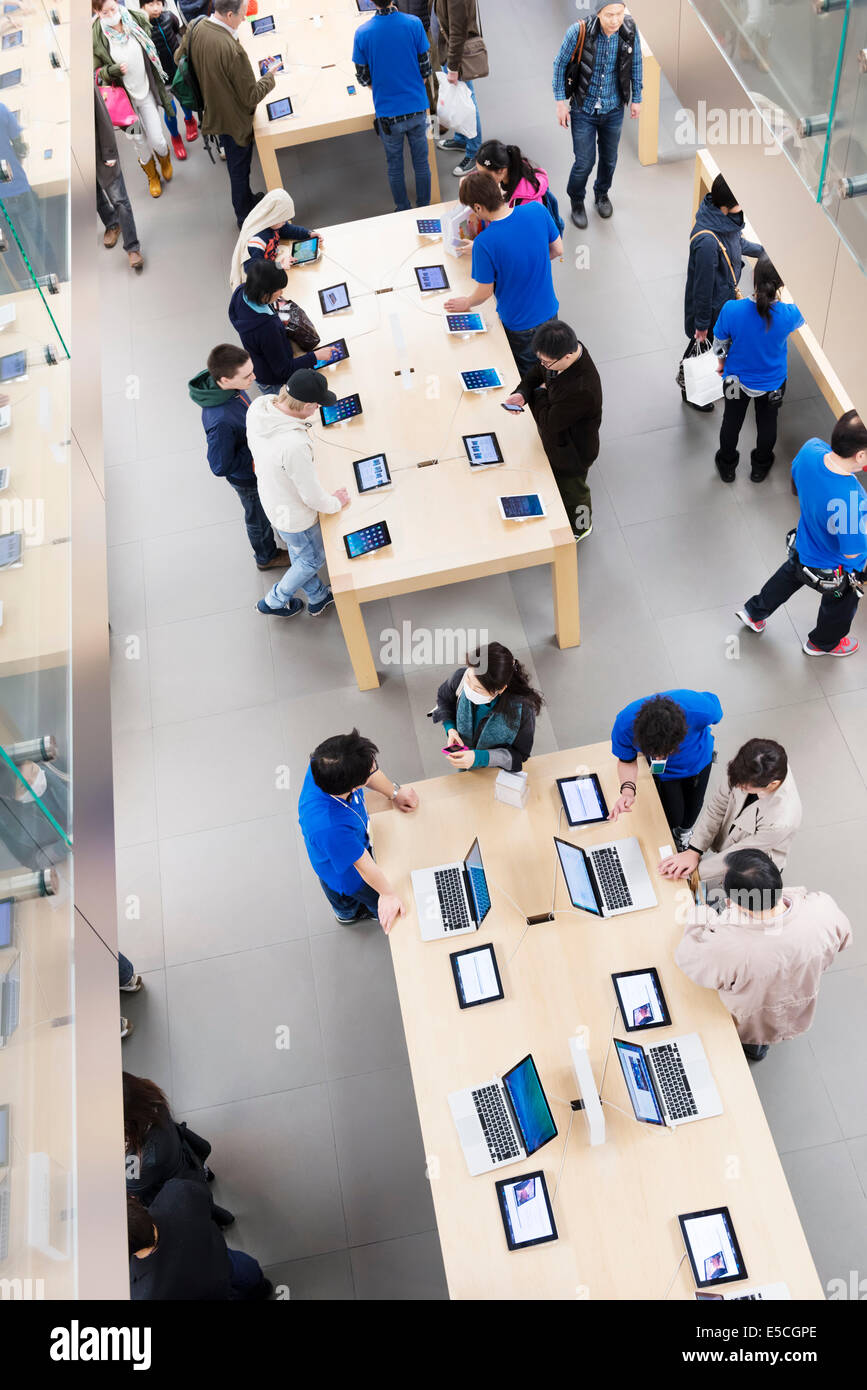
[{"x": 289, "y": 489}]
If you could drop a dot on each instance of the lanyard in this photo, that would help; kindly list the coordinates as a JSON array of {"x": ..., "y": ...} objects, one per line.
[{"x": 348, "y": 804}]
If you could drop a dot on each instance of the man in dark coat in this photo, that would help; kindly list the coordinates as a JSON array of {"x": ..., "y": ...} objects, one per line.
[{"x": 112, "y": 199}]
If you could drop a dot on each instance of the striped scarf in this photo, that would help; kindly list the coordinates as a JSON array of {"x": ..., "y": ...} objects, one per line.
[{"x": 133, "y": 30}]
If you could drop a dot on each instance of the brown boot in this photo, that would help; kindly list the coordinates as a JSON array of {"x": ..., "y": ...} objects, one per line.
[
  {"x": 166, "y": 166},
  {"x": 110, "y": 237},
  {"x": 135, "y": 260},
  {"x": 155, "y": 188}
]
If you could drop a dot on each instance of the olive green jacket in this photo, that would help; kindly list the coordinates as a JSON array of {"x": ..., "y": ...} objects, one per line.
[
  {"x": 108, "y": 74},
  {"x": 225, "y": 75}
]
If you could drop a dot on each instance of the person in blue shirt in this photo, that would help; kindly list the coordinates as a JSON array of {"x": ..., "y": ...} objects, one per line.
[
  {"x": 391, "y": 54},
  {"x": 830, "y": 550},
  {"x": 512, "y": 256},
  {"x": 751, "y": 338},
  {"x": 334, "y": 822},
  {"x": 606, "y": 80},
  {"x": 221, "y": 393},
  {"x": 672, "y": 730}
]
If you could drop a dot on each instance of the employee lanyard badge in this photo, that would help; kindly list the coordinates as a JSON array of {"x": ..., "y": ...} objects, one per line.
[{"x": 657, "y": 766}]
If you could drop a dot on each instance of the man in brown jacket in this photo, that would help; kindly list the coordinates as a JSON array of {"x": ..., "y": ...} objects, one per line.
[
  {"x": 765, "y": 952},
  {"x": 458, "y": 22},
  {"x": 230, "y": 90}
]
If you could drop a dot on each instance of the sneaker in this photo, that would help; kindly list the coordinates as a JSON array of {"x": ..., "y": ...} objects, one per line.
[
  {"x": 287, "y": 611},
  {"x": 277, "y": 562},
  {"x": 582, "y": 535},
  {"x": 314, "y": 609},
  {"x": 603, "y": 205},
  {"x": 757, "y": 624},
  {"x": 466, "y": 166},
  {"x": 579, "y": 214},
  {"x": 847, "y": 646},
  {"x": 133, "y": 985},
  {"x": 364, "y": 915},
  {"x": 451, "y": 142},
  {"x": 125, "y": 1027}
]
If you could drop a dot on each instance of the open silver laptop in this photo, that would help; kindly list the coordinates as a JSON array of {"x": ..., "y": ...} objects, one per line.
[
  {"x": 669, "y": 1083},
  {"x": 452, "y": 899},
  {"x": 504, "y": 1120},
  {"x": 608, "y": 879}
]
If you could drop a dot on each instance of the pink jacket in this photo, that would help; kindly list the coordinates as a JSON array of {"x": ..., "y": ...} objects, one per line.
[
  {"x": 767, "y": 972},
  {"x": 526, "y": 193}
]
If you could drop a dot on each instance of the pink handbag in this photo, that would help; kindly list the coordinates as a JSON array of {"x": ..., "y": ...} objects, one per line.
[{"x": 119, "y": 107}]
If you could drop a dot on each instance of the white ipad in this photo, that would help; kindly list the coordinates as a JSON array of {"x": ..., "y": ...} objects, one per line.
[
  {"x": 482, "y": 379},
  {"x": 524, "y": 507},
  {"x": 459, "y": 325}
]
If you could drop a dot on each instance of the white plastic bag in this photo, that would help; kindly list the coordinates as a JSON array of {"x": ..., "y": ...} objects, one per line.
[
  {"x": 701, "y": 379},
  {"x": 455, "y": 107}
]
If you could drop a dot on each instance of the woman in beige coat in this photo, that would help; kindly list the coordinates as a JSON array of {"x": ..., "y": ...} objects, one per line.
[{"x": 759, "y": 809}]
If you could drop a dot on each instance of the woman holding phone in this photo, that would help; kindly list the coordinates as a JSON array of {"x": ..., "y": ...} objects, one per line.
[{"x": 488, "y": 709}]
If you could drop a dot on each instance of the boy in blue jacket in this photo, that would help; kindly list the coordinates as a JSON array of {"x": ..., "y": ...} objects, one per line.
[{"x": 221, "y": 392}]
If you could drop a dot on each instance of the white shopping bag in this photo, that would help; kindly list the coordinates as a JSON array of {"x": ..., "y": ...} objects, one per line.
[
  {"x": 701, "y": 378},
  {"x": 455, "y": 107}
]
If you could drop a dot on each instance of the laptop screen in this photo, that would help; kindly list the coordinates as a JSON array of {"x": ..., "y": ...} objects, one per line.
[
  {"x": 638, "y": 1083},
  {"x": 575, "y": 872},
  {"x": 529, "y": 1104},
  {"x": 481, "y": 899}
]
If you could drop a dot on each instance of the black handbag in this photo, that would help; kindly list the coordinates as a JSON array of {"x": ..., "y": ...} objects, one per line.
[
  {"x": 573, "y": 67},
  {"x": 193, "y": 1143},
  {"x": 299, "y": 327}
]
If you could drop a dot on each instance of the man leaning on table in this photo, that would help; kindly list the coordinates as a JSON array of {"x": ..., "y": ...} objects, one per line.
[
  {"x": 392, "y": 56},
  {"x": 335, "y": 825},
  {"x": 765, "y": 952}
]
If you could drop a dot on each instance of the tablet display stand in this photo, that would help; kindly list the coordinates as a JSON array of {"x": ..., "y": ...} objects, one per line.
[{"x": 592, "y": 1105}]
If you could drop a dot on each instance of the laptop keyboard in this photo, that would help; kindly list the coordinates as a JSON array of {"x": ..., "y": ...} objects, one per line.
[
  {"x": 612, "y": 881},
  {"x": 671, "y": 1079},
  {"x": 495, "y": 1121},
  {"x": 450, "y": 892}
]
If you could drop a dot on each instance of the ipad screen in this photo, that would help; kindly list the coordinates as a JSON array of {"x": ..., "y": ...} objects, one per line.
[
  {"x": 526, "y": 1210},
  {"x": 712, "y": 1247},
  {"x": 582, "y": 800},
  {"x": 641, "y": 1000},
  {"x": 477, "y": 978}
]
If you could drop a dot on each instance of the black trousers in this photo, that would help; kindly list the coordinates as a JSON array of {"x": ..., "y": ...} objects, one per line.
[
  {"x": 682, "y": 798},
  {"x": 239, "y": 159},
  {"x": 734, "y": 414},
  {"x": 835, "y": 614}
]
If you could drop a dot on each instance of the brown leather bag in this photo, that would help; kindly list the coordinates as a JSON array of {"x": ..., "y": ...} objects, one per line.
[{"x": 474, "y": 59}]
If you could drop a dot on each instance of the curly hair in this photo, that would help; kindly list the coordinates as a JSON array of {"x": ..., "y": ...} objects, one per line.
[{"x": 660, "y": 727}]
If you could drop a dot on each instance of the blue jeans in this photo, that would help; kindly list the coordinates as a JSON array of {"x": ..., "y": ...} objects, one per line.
[
  {"x": 586, "y": 130},
  {"x": 246, "y": 1274},
  {"x": 115, "y": 210},
  {"x": 125, "y": 969},
  {"x": 471, "y": 145},
  {"x": 349, "y": 905},
  {"x": 307, "y": 554},
  {"x": 415, "y": 130},
  {"x": 239, "y": 159},
  {"x": 266, "y": 390},
  {"x": 259, "y": 531},
  {"x": 172, "y": 120},
  {"x": 519, "y": 341}
]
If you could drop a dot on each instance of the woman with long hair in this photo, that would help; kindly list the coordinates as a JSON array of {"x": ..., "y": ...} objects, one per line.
[
  {"x": 751, "y": 339},
  {"x": 124, "y": 55},
  {"x": 520, "y": 179},
  {"x": 157, "y": 1147},
  {"x": 488, "y": 709}
]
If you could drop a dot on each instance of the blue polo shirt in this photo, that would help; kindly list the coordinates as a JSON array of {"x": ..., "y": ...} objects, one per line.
[
  {"x": 512, "y": 255},
  {"x": 833, "y": 522},
  {"x": 701, "y": 709},
  {"x": 390, "y": 45},
  {"x": 758, "y": 355},
  {"x": 335, "y": 833}
]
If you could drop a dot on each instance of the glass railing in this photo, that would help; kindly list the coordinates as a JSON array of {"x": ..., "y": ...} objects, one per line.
[
  {"x": 804, "y": 63},
  {"x": 37, "y": 1073}
]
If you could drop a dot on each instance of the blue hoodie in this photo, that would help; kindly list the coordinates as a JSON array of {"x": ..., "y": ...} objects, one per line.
[
  {"x": 267, "y": 342},
  {"x": 709, "y": 282}
]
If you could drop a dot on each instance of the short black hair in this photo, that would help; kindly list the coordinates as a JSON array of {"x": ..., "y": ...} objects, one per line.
[
  {"x": 554, "y": 339},
  {"x": 263, "y": 278},
  {"x": 849, "y": 435},
  {"x": 760, "y": 762},
  {"x": 660, "y": 727},
  {"x": 343, "y": 762},
  {"x": 752, "y": 880},
  {"x": 139, "y": 1226},
  {"x": 721, "y": 195},
  {"x": 226, "y": 359}
]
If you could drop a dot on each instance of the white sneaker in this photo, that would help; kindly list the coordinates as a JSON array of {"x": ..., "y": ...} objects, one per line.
[
  {"x": 133, "y": 985},
  {"x": 125, "y": 1027}
]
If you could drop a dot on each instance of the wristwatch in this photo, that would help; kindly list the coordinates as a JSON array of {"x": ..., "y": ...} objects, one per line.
[{"x": 396, "y": 786}]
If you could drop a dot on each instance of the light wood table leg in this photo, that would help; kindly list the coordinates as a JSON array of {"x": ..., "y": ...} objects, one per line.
[
  {"x": 435, "y": 195},
  {"x": 354, "y": 631},
  {"x": 564, "y": 582},
  {"x": 648, "y": 120},
  {"x": 268, "y": 159}
]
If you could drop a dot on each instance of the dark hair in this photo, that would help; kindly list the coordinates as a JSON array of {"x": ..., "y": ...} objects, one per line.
[
  {"x": 660, "y": 727},
  {"x": 481, "y": 187},
  {"x": 555, "y": 339},
  {"x": 226, "y": 359},
  {"x": 758, "y": 763},
  {"x": 139, "y": 1226},
  {"x": 263, "y": 278},
  {"x": 493, "y": 154},
  {"x": 721, "y": 195},
  {"x": 342, "y": 763},
  {"x": 849, "y": 435},
  {"x": 144, "y": 1106},
  {"x": 496, "y": 668},
  {"x": 766, "y": 282},
  {"x": 753, "y": 881}
]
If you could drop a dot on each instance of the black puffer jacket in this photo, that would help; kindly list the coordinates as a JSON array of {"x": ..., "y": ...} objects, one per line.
[
  {"x": 420, "y": 8},
  {"x": 628, "y": 36}
]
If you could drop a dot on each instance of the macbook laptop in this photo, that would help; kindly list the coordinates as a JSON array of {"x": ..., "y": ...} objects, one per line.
[
  {"x": 669, "y": 1083},
  {"x": 452, "y": 899},
  {"x": 504, "y": 1120},
  {"x": 607, "y": 880}
]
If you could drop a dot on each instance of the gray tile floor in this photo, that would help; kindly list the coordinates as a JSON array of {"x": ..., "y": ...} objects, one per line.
[{"x": 317, "y": 1145}]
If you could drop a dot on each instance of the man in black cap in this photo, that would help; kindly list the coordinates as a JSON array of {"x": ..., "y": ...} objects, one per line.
[{"x": 289, "y": 490}]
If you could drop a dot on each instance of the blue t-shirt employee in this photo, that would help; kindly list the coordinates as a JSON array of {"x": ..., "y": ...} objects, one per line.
[
  {"x": 334, "y": 823},
  {"x": 831, "y": 537},
  {"x": 391, "y": 54},
  {"x": 672, "y": 730}
]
